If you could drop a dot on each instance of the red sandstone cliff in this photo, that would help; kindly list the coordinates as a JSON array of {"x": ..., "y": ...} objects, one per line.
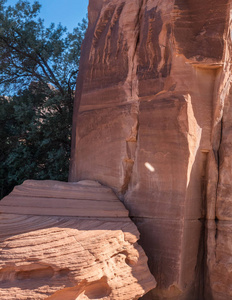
[{"x": 153, "y": 121}]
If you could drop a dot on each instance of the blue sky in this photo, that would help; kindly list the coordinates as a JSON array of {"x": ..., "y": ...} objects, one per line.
[{"x": 66, "y": 12}]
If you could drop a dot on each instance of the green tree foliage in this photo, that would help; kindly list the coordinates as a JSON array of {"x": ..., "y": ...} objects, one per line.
[{"x": 38, "y": 70}]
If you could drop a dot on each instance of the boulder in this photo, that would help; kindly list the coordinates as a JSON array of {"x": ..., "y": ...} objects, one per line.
[{"x": 69, "y": 241}]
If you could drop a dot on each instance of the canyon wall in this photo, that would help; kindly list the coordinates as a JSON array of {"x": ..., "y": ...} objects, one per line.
[{"x": 152, "y": 120}]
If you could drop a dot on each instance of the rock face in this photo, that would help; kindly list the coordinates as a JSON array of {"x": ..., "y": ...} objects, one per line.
[
  {"x": 47, "y": 253},
  {"x": 152, "y": 120}
]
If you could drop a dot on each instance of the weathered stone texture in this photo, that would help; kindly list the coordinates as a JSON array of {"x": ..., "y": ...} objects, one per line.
[
  {"x": 154, "y": 84},
  {"x": 66, "y": 241}
]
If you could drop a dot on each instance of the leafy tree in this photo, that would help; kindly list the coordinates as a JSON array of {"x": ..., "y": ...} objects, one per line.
[{"x": 38, "y": 70}]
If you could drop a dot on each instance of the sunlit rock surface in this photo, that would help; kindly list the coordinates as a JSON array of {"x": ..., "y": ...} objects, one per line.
[
  {"x": 152, "y": 120},
  {"x": 69, "y": 241}
]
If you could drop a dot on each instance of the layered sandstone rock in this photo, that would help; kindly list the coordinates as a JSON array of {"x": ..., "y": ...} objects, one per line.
[
  {"x": 153, "y": 89},
  {"x": 69, "y": 241}
]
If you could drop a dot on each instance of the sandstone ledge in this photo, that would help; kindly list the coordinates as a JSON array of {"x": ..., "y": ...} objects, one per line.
[{"x": 69, "y": 241}]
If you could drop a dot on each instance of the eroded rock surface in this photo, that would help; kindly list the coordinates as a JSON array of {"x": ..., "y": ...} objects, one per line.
[
  {"x": 67, "y": 241},
  {"x": 152, "y": 120}
]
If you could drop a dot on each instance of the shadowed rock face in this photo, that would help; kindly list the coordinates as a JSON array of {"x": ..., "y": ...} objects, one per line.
[
  {"x": 152, "y": 120},
  {"x": 69, "y": 241}
]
